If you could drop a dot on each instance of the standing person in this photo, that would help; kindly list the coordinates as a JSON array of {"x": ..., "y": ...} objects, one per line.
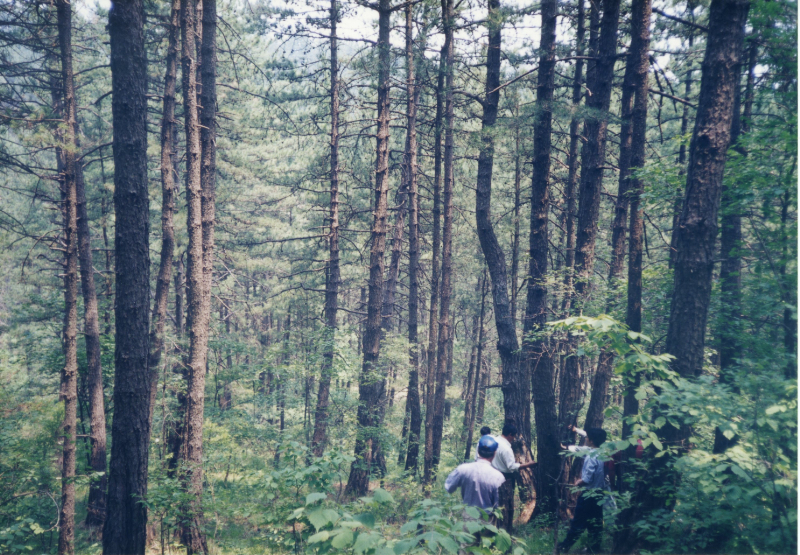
[
  {"x": 505, "y": 462},
  {"x": 589, "y": 510},
  {"x": 479, "y": 481}
]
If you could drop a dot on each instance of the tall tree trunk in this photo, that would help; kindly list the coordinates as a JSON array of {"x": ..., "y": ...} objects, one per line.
[
  {"x": 433, "y": 439},
  {"x": 537, "y": 354},
  {"x": 371, "y": 383},
  {"x": 320, "y": 439},
  {"x": 412, "y": 398},
  {"x": 592, "y": 166},
  {"x": 74, "y": 176},
  {"x": 124, "y": 531},
  {"x": 198, "y": 303},
  {"x": 433, "y": 308},
  {"x": 697, "y": 229},
  {"x": 631, "y": 158},
  {"x": 572, "y": 171},
  {"x": 168, "y": 185},
  {"x": 515, "y": 238},
  {"x": 69, "y": 377}
]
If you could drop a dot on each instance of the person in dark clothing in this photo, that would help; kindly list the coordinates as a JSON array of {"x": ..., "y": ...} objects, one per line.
[
  {"x": 589, "y": 509},
  {"x": 485, "y": 431}
]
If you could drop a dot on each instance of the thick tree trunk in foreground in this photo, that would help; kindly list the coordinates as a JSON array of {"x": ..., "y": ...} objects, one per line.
[
  {"x": 371, "y": 384},
  {"x": 168, "y": 185},
  {"x": 410, "y": 160},
  {"x": 124, "y": 532},
  {"x": 197, "y": 282},
  {"x": 537, "y": 355},
  {"x": 697, "y": 229},
  {"x": 333, "y": 278},
  {"x": 69, "y": 376},
  {"x": 433, "y": 439}
]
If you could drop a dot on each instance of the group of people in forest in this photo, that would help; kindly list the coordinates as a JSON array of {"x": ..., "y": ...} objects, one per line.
[{"x": 488, "y": 482}]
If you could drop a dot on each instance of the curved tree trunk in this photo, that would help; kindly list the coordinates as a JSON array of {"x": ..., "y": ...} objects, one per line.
[{"x": 124, "y": 531}]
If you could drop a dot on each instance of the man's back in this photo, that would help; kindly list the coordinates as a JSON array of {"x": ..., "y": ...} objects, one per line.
[{"x": 479, "y": 482}]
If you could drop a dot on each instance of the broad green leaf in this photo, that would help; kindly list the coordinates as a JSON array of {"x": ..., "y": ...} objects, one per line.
[
  {"x": 660, "y": 421},
  {"x": 502, "y": 541},
  {"x": 405, "y": 546},
  {"x": 658, "y": 445},
  {"x": 449, "y": 544},
  {"x": 382, "y": 496},
  {"x": 367, "y": 519},
  {"x": 343, "y": 539},
  {"x": 473, "y": 527},
  {"x": 739, "y": 472},
  {"x": 409, "y": 526},
  {"x": 364, "y": 542},
  {"x": 473, "y": 512},
  {"x": 319, "y": 537},
  {"x": 318, "y": 518}
]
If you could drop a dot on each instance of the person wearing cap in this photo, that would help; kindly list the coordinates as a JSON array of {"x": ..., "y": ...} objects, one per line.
[
  {"x": 479, "y": 481},
  {"x": 589, "y": 510},
  {"x": 505, "y": 462}
]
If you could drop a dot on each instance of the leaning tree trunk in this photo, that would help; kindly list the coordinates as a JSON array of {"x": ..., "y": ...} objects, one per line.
[
  {"x": 198, "y": 302},
  {"x": 69, "y": 377},
  {"x": 168, "y": 184},
  {"x": 333, "y": 277},
  {"x": 536, "y": 352},
  {"x": 697, "y": 230},
  {"x": 371, "y": 384},
  {"x": 412, "y": 398},
  {"x": 516, "y": 385},
  {"x": 124, "y": 531},
  {"x": 592, "y": 166},
  {"x": 433, "y": 437}
]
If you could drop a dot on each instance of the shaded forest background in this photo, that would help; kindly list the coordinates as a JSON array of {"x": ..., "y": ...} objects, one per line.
[{"x": 243, "y": 310}]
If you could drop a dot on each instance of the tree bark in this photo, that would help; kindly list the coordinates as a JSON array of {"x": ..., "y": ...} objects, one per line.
[
  {"x": 124, "y": 531},
  {"x": 537, "y": 354},
  {"x": 433, "y": 308},
  {"x": 371, "y": 384},
  {"x": 168, "y": 185},
  {"x": 320, "y": 438},
  {"x": 69, "y": 377},
  {"x": 433, "y": 440},
  {"x": 697, "y": 229},
  {"x": 472, "y": 398},
  {"x": 412, "y": 398},
  {"x": 198, "y": 301}
]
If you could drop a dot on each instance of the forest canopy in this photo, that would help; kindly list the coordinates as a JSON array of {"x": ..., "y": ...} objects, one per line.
[{"x": 269, "y": 270}]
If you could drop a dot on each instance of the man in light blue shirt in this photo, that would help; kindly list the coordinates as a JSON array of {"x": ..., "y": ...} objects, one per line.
[
  {"x": 588, "y": 510},
  {"x": 479, "y": 481}
]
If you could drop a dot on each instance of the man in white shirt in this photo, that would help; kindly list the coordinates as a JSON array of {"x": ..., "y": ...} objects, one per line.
[{"x": 505, "y": 462}]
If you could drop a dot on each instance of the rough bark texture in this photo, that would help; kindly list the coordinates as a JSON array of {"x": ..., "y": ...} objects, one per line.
[
  {"x": 69, "y": 376},
  {"x": 572, "y": 171},
  {"x": 471, "y": 400},
  {"x": 433, "y": 440},
  {"x": 124, "y": 531},
  {"x": 516, "y": 385},
  {"x": 592, "y": 166},
  {"x": 168, "y": 184},
  {"x": 333, "y": 276},
  {"x": 410, "y": 161},
  {"x": 198, "y": 302},
  {"x": 537, "y": 355},
  {"x": 371, "y": 384},
  {"x": 433, "y": 308},
  {"x": 697, "y": 229},
  {"x": 76, "y": 200}
]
